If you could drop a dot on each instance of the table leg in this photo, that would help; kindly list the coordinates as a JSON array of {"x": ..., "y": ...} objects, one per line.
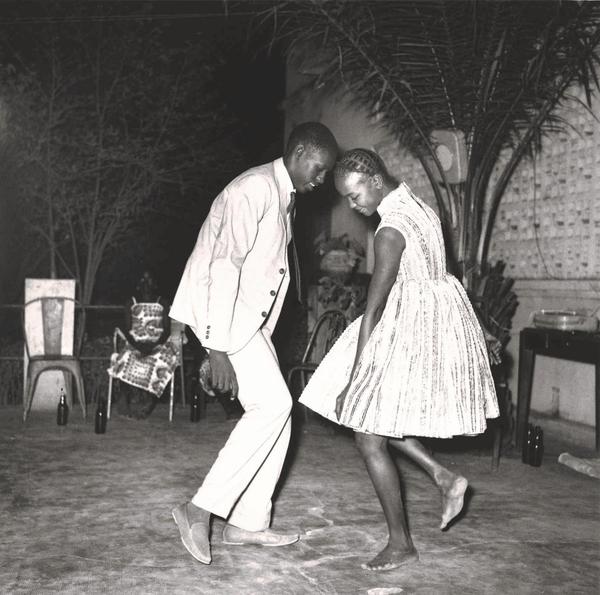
[
  {"x": 597, "y": 391},
  {"x": 526, "y": 366}
]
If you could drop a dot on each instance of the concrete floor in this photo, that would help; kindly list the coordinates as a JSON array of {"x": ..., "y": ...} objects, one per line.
[{"x": 87, "y": 513}]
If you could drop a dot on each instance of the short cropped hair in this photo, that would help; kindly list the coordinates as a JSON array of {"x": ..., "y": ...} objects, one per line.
[{"x": 313, "y": 135}]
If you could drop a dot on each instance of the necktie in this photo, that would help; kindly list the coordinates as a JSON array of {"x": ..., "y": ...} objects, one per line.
[{"x": 296, "y": 262}]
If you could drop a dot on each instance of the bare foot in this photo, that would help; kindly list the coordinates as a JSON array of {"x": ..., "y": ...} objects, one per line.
[
  {"x": 453, "y": 489},
  {"x": 392, "y": 556}
]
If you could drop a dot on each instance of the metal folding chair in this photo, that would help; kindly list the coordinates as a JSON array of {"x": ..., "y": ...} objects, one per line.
[
  {"x": 52, "y": 349},
  {"x": 329, "y": 326}
]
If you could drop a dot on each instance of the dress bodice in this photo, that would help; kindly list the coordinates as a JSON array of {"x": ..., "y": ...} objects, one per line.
[{"x": 424, "y": 257}]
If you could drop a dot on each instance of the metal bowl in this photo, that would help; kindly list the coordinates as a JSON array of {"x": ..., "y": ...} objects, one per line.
[{"x": 565, "y": 320}]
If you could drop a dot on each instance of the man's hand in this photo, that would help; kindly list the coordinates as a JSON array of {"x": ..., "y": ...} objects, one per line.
[
  {"x": 339, "y": 402},
  {"x": 223, "y": 374}
]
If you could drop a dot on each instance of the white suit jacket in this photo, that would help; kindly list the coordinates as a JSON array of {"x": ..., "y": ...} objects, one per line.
[{"x": 237, "y": 276}]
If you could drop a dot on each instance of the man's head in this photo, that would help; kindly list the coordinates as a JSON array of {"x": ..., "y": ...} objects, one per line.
[{"x": 310, "y": 153}]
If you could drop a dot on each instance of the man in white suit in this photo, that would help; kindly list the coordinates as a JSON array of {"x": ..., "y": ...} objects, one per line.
[{"x": 231, "y": 294}]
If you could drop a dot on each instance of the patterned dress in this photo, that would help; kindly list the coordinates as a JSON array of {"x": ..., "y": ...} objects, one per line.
[{"x": 424, "y": 370}]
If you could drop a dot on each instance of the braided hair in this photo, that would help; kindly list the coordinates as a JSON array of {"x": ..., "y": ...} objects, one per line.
[{"x": 363, "y": 161}]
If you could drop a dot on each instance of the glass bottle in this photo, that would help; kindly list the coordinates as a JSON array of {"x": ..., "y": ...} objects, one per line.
[
  {"x": 527, "y": 444},
  {"x": 100, "y": 421},
  {"x": 537, "y": 450},
  {"x": 62, "y": 411},
  {"x": 195, "y": 407}
]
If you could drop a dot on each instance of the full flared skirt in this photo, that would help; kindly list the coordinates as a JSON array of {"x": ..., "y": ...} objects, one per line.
[{"x": 423, "y": 372}]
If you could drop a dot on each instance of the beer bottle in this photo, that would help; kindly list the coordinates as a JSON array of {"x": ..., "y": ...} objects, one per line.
[
  {"x": 62, "y": 412},
  {"x": 100, "y": 421},
  {"x": 196, "y": 407},
  {"x": 527, "y": 445},
  {"x": 537, "y": 450}
]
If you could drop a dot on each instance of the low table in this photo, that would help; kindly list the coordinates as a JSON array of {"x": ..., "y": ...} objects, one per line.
[{"x": 575, "y": 346}]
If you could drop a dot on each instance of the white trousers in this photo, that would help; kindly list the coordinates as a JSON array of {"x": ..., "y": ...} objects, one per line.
[{"x": 241, "y": 481}]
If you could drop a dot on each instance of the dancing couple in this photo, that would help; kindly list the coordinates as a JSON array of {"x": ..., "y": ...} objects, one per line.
[{"x": 414, "y": 365}]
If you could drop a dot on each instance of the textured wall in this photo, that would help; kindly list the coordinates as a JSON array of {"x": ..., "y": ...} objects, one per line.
[
  {"x": 406, "y": 168},
  {"x": 548, "y": 224},
  {"x": 548, "y": 232}
]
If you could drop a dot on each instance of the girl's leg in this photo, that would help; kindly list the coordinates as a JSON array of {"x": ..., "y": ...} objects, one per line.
[
  {"x": 384, "y": 475},
  {"x": 452, "y": 486}
]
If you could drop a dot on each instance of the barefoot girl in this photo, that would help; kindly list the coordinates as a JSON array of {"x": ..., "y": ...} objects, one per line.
[{"x": 415, "y": 364}]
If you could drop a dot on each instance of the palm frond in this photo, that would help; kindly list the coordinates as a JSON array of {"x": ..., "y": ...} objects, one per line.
[{"x": 497, "y": 70}]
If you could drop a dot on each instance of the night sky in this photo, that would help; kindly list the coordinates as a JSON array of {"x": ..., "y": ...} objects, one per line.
[{"x": 250, "y": 81}]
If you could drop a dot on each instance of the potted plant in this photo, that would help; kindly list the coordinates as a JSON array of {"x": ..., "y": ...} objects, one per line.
[
  {"x": 335, "y": 294},
  {"x": 339, "y": 256}
]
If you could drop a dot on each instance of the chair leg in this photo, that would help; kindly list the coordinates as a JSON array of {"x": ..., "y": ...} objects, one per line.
[
  {"x": 25, "y": 379},
  {"x": 171, "y": 397},
  {"x": 25, "y": 393},
  {"x": 81, "y": 393},
  {"x": 32, "y": 380},
  {"x": 182, "y": 383},
  {"x": 499, "y": 425},
  {"x": 109, "y": 397},
  {"x": 290, "y": 378},
  {"x": 496, "y": 448},
  {"x": 302, "y": 387},
  {"x": 68, "y": 382},
  {"x": 27, "y": 397}
]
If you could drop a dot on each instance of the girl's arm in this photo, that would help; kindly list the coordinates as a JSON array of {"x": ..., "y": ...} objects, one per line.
[{"x": 388, "y": 245}]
